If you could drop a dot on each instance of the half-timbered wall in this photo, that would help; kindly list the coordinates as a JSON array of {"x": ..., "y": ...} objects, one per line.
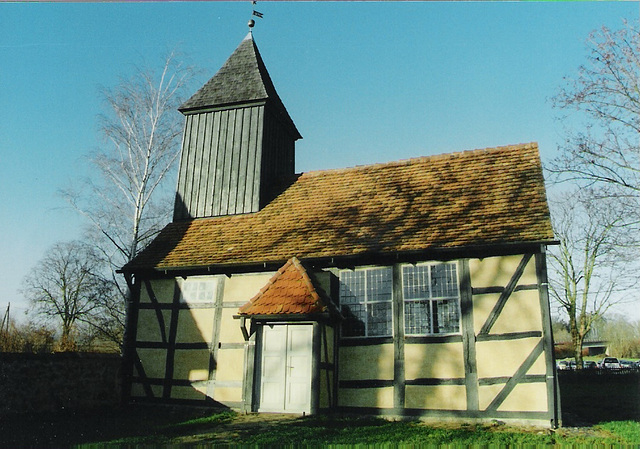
[
  {"x": 499, "y": 365},
  {"x": 188, "y": 346},
  {"x": 327, "y": 393},
  {"x": 510, "y": 346}
]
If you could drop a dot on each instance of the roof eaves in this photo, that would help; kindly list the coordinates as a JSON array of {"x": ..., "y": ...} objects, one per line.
[
  {"x": 434, "y": 253},
  {"x": 224, "y": 106}
]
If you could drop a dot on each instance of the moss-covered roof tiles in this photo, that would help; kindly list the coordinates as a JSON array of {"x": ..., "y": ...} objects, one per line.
[{"x": 481, "y": 197}]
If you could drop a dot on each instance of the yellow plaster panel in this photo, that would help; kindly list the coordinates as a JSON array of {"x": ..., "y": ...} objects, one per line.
[
  {"x": 434, "y": 360},
  {"x": 230, "y": 328},
  {"x": 197, "y": 392},
  {"x": 366, "y": 397},
  {"x": 243, "y": 287},
  {"x": 482, "y": 307},
  {"x": 230, "y": 364},
  {"x": 153, "y": 362},
  {"x": 530, "y": 397},
  {"x": 163, "y": 289},
  {"x": 149, "y": 327},
  {"x": 198, "y": 375},
  {"x": 195, "y": 326},
  {"x": 188, "y": 362},
  {"x": 503, "y": 358},
  {"x": 328, "y": 351},
  {"x": 366, "y": 362},
  {"x": 521, "y": 313},
  {"x": 497, "y": 271},
  {"x": 486, "y": 394},
  {"x": 434, "y": 397},
  {"x": 137, "y": 390},
  {"x": 227, "y": 394},
  {"x": 323, "y": 280},
  {"x": 326, "y": 387},
  {"x": 201, "y": 386}
]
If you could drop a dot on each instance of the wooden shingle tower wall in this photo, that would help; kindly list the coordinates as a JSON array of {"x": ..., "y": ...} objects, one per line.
[{"x": 238, "y": 150}]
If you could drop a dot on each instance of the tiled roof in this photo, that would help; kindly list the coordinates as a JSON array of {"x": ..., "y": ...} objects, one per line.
[
  {"x": 243, "y": 78},
  {"x": 289, "y": 291},
  {"x": 480, "y": 197}
]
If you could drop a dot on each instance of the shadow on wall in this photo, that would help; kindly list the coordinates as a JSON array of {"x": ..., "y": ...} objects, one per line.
[{"x": 175, "y": 352}]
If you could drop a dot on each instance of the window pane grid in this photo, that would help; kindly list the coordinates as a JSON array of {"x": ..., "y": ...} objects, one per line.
[
  {"x": 379, "y": 322},
  {"x": 431, "y": 299},
  {"x": 351, "y": 287},
  {"x": 417, "y": 317},
  {"x": 378, "y": 285},
  {"x": 365, "y": 302},
  {"x": 444, "y": 281},
  {"x": 194, "y": 290}
]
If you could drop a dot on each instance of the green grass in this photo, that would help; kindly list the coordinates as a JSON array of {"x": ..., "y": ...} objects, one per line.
[
  {"x": 323, "y": 432},
  {"x": 627, "y": 431},
  {"x": 333, "y": 431},
  {"x": 151, "y": 427}
]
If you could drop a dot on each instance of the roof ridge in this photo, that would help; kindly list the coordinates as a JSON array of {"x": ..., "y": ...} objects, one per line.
[{"x": 421, "y": 159}]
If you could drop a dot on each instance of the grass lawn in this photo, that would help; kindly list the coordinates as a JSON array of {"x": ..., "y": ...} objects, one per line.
[{"x": 138, "y": 427}]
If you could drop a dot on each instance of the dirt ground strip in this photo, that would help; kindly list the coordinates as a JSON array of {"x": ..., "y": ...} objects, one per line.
[
  {"x": 241, "y": 424},
  {"x": 254, "y": 423}
]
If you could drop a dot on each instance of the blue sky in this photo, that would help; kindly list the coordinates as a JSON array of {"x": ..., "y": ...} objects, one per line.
[{"x": 364, "y": 82}]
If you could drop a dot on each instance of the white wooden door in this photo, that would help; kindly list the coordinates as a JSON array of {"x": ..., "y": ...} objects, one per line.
[{"x": 285, "y": 382}]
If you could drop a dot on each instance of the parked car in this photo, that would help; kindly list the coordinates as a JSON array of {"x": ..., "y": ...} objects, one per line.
[
  {"x": 589, "y": 364},
  {"x": 610, "y": 363},
  {"x": 563, "y": 365},
  {"x": 627, "y": 364}
]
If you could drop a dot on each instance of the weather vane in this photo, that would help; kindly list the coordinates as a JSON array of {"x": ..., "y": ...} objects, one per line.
[{"x": 254, "y": 13}]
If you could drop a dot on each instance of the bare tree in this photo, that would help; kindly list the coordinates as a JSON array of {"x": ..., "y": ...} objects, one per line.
[
  {"x": 66, "y": 285},
  {"x": 588, "y": 273},
  {"x": 605, "y": 95},
  {"x": 126, "y": 202},
  {"x": 622, "y": 336}
]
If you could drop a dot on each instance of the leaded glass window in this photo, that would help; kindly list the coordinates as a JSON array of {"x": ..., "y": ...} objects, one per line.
[
  {"x": 198, "y": 289},
  {"x": 431, "y": 299},
  {"x": 365, "y": 302}
]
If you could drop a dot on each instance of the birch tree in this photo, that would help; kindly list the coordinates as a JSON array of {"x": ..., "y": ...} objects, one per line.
[{"x": 127, "y": 201}]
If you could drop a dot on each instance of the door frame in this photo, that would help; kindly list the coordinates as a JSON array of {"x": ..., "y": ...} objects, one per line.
[{"x": 315, "y": 362}]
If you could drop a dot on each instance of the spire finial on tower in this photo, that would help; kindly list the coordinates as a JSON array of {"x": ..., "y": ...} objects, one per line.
[{"x": 258, "y": 14}]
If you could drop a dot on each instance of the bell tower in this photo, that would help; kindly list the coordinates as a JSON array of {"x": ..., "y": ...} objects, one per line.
[{"x": 238, "y": 149}]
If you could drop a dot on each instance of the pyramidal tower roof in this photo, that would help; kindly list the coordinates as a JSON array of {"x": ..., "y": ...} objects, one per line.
[{"x": 242, "y": 79}]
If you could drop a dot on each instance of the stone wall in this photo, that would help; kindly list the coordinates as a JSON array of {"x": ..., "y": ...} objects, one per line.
[{"x": 45, "y": 382}]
